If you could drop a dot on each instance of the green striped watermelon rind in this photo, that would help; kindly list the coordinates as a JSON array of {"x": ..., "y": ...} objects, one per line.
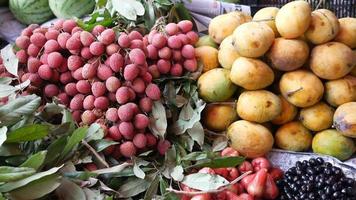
[
  {"x": 31, "y": 11},
  {"x": 71, "y": 8}
]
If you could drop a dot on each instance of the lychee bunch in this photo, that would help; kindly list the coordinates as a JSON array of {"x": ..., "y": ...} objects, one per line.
[{"x": 106, "y": 77}]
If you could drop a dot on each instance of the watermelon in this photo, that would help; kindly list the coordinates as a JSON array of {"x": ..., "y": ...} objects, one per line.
[
  {"x": 31, "y": 11},
  {"x": 71, "y": 8}
]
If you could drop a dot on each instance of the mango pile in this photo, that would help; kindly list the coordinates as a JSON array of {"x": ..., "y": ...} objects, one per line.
[{"x": 284, "y": 77}]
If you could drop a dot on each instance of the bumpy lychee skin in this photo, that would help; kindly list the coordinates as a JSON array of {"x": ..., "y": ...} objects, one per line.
[
  {"x": 135, "y": 35},
  {"x": 45, "y": 72},
  {"x": 112, "y": 84},
  {"x": 97, "y": 30},
  {"x": 68, "y": 25},
  {"x": 71, "y": 89},
  {"x": 86, "y": 38},
  {"x": 33, "y": 64},
  {"x": 88, "y": 103},
  {"x": 122, "y": 95},
  {"x": 62, "y": 39},
  {"x": 141, "y": 121},
  {"x": 51, "y": 46},
  {"x": 124, "y": 40},
  {"x": 116, "y": 62},
  {"x": 38, "y": 39},
  {"x": 83, "y": 86},
  {"x": 98, "y": 89},
  {"x": 104, "y": 72},
  {"x": 55, "y": 59},
  {"x": 33, "y": 51},
  {"x": 74, "y": 62},
  {"x": 137, "y": 56},
  {"x": 125, "y": 112},
  {"x": 153, "y": 91},
  {"x": 131, "y": 71},
  {"x": 88, "y": 117},
  {"x": 76, "y": 114},
  {"x": 51, "y": 90},
  {"x": 101, "y": 103},
  {"x": 52, "y": 34},
  {"x": 63, "y": 98},
  {"x": 112, "y": 49},
  {"x": 77, "y": 102},
  {"x": 22, "y": 56},
  {"x": 153, "y": 69},
  {"x": 114, "y": 133},
  {"x": 89, "y": 71},
  {"x": 140, "y": 140},
  {"x": 128, "y": 149},
  {"x": 138, "y": 85},
  {"x": 65, "y": 78},
  {"x": 23, "y": 42},
  {"x": 151, "y": 140},
  {"x": 111, "y": 114},
  {"x": 163, "y": 146},
  {"x": 127, "y": 130},
  {"x": 107, "y": 36},
  {"x": 97, "y": 48}
]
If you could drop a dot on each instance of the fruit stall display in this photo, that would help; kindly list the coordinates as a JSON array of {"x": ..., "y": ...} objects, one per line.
[{"x": 134, "y": 104}]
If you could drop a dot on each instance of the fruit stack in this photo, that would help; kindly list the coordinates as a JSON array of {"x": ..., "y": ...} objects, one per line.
[{"x": 106, "y": 77}]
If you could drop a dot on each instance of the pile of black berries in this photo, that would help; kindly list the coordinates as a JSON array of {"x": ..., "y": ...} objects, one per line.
[{"x": 316, "y": 179}]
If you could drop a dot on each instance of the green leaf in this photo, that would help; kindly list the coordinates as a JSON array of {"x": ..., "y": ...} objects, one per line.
[
  {"x": 10, "y": 150},
  {"x": 220, "y": 143},
  {"x": 100, "y": 145},
  {"x": 222, "y": 162},
  {"x": 128, "y": 8},
  {"x": 152, "y": 189},
  {"x": 10, "y": 60},
  {"x": 17, "y": 184},
  {"x": 187, "y": 112},
  {"x": 37, "y": 189},
  {"x": 100, "y": 3},
  {"x": 55, "y": 149},
  {"x": 81, "y": 175},
  {"x": 164, "y": 2},
  {"x": 70, "y": 191},
  {"x": 114, "y": 169},
  {"x": 158, "y": 120},
  {"x": 8, "y": 174},
  {"x": 95, "y": 132},
  {"x": 15, "y": 110},
  {"x": 25, "y": 120},
  {"x": 35, "y": 161},
  {"x": 150, "y": 17},
  {"x": 177, "y": 173},
  {"x": 146, "y": 153},
  {"x": 133, "y": 186},
  {"x": 127, "y": 172},
  {"x": 28, "y": 133},
  {"x": 183, "y": 12},
  {"x": 77, "y": 136},
  {"x": 197, "y": 133},
  {"x": 15, "y": 160},
  {"x": 136, "y": 168},
  {"x": 163, "y": 185},
  {"x": 6, "y": 80},
  {"x": 6, "y": 90},
  {"x": 3, "y": 131},
  {"x": 195, "y": 156},
  {"x": 204, "y": 181},
  {"x": 182, "y": 125},
  {"x": 93, "y": 194}
]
